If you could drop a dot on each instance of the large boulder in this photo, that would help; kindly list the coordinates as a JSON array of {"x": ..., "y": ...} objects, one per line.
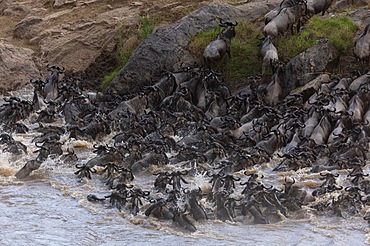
[
  {"x": 320, "y": 58},
  {"x": 16, "y": 64},
  {"x": 167, "y": 48}
]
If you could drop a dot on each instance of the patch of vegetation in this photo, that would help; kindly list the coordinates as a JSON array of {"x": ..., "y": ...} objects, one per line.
[
  {"x": 145, "y": 28},
  {"x": 340, "y": 32},
  {"x": 246, "y": 59},
  {"x": 245, "y": 54},
  {"x": 291, "y": 45},
  {"x": 200, "y": 41},
  {"x": 108, "y": 78}
]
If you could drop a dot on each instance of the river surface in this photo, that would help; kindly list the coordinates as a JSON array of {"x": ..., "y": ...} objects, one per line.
[{"x": 50, "y": 208}]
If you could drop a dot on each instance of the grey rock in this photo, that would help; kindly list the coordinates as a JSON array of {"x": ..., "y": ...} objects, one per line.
[
  {"x": 166, "y": 49},
  {"x": 314, "y": 84},
  {"x": 320, "y": 58},
  {"x": 361, "y": 17},
  {"x": 340, "y": 4}
]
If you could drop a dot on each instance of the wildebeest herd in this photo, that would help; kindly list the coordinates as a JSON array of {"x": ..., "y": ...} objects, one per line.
[{"x": 188, "y": 123}]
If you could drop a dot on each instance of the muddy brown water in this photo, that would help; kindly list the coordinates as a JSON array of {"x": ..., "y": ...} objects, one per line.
[{"x": 50, "y": 208}]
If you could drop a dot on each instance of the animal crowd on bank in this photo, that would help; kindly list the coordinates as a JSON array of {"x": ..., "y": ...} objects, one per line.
[{"x": 188, "y": 123}]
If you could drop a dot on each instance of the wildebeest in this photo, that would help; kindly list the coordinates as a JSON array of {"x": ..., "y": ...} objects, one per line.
[
  {"x": 317, "y": 6},
  {"x": 217, "y": 49},
  {"x": 361, "y": 49},
  {"x": 274, "y": 89},
  {"x": 50, "y": 89},
  {"x": 284, "y": 4},
  {"x": 285, "y": 20},
  {"x": 269, "y": 54}
]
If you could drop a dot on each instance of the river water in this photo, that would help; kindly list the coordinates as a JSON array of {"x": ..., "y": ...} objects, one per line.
[{"x": 50, "y": 208}]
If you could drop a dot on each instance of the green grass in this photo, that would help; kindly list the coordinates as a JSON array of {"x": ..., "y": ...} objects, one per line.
[
  {"x": 290, "y": 46},
  {"x": 245, "y": 54},
  {"x": 245, "y": 50},
  {"x": 340, "y": 31},
  {"x": 145, "y": 28},
  {"x": 200, "y": 41}
]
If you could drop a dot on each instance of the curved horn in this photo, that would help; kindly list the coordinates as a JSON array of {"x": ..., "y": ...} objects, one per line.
[
  {"x": 79, "y": 166},
  {"x": 267, "y": 188},
  {"x": 236, "y": 178},
  {"x": 338, "y": 188},
  {"x": 222, "y": 23}
]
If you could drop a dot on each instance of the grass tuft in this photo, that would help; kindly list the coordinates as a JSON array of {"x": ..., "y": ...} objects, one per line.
[{"x": 146, "y": 26}]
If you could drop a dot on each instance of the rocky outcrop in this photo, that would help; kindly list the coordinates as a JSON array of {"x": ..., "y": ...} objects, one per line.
[
  {"x": 320, "y": 58},
  {"x": 313, "y": 85},
  {"x": 27, "y": 28},
  {"x": 12, "y": 8},
  {"x": 18, "y": 65},
  {"x": 75, "y": 46},
  {"x": 340, "y": 4},
  {"x": 166, "y": 49},
  {"x": 78, "y": 35},
  {"x": 361, "y": 17}
]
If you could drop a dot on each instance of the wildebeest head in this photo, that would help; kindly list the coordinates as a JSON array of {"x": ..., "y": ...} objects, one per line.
[{"x": 229, "y": 29}]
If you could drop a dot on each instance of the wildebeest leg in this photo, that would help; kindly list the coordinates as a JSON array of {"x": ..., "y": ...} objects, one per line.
[
  {"x": 27, "y": 169},
  {"x": 258, "y": 218},
  {"x": 139, "y": 166},
  {"x": 182, "y": 221},
  {"x": 299, "y": 23}
]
